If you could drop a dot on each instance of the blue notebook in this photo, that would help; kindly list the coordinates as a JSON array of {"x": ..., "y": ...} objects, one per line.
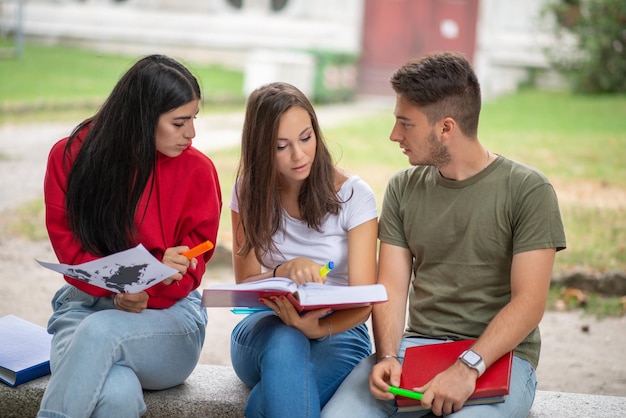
[{"x": 24, "y": 350}]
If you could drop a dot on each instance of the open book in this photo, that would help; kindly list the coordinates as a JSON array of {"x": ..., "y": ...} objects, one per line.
[
  {"x": 422, "y": 363},
  {"x": 307, "y": 296}
]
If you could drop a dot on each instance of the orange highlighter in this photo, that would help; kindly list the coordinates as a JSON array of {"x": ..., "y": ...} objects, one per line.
[{"x": 198, "y": 249}]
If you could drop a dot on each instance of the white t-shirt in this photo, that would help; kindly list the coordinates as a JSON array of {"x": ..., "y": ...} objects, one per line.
[{"x": 331, "y": 243}]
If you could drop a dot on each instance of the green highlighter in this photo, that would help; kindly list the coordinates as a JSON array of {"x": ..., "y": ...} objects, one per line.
[{"x": 405, "y": 392}]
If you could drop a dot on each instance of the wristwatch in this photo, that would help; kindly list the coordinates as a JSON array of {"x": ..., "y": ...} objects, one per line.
[{"x": 473, "y": 360}]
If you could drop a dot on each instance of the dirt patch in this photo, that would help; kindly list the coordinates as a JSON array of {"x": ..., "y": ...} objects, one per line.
[{"x": 590, "y": 194}]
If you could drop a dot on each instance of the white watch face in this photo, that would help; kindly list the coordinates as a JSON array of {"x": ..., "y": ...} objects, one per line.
[{"x": 472, "y": 358}]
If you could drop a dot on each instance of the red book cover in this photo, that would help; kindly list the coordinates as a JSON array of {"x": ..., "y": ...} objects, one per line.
[{"x": 422, "y": 363}]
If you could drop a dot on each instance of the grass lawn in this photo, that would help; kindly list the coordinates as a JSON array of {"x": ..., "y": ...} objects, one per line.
[{"x": 51, "y": 82}]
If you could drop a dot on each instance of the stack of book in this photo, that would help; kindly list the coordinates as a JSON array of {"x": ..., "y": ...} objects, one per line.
[{"x": 423, "y": 363}]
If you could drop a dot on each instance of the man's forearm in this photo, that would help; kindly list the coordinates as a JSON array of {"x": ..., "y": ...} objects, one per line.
[{"x": 388, "y": 325}]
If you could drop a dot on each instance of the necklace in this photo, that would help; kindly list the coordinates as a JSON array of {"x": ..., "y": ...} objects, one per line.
[{"x": 488, "y": 158}]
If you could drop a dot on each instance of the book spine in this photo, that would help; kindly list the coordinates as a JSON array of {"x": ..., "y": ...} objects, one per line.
[{"x": 32, "y": 373}]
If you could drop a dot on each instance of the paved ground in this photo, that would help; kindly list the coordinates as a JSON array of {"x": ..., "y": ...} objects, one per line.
[{"x": 579, "y": 354}]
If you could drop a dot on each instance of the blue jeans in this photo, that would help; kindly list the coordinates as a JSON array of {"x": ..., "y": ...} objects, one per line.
[
  {"x": 353, "y": 398},
  {"x": 102, "y": 357},
  {"x": 291, "y": 375}
]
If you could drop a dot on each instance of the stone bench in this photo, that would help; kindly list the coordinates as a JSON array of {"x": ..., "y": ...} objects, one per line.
[
  {"x": 216, "y": 392},
  {"x": 577, "y": 405},
  {"x": 210, "y": 392}
]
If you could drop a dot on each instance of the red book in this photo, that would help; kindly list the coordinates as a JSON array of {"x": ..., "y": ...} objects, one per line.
[
  {"x": 422, "y": 363},
  {"x": 306, "y": 297}
]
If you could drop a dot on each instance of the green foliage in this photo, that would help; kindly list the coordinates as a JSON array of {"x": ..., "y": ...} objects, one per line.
[{"x": 591, "y": 47}]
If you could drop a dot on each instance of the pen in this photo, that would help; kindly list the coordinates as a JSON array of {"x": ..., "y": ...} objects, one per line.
[
  {"x": 405, "y": 392},
  {"x": 245, "y": 311},
  {"x": 326, "y": 268},
  {"x": 198, "y": 249}
]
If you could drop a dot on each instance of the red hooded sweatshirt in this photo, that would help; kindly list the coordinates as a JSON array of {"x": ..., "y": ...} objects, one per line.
[{"x": 183, "y": 209}]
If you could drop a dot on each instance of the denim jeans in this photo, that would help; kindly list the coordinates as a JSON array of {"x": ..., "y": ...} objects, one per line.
[
  {"x": 353, "y": 398},
  {"x": 102, "y": 357},
  {"x": 291, "y": 375}
]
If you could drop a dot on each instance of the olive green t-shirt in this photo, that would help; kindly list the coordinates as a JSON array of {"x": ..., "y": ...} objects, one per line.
[{"x": 463, "y": 235}]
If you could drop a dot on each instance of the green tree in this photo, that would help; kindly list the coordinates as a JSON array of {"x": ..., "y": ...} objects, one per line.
[{"x": 591, "y": 44}]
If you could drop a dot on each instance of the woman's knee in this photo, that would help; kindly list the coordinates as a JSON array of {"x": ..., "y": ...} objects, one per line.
[{"x": 121, "y": 395}]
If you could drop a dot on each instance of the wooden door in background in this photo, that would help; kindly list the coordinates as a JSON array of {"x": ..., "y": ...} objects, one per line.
[{"x": 394, "y": 31}]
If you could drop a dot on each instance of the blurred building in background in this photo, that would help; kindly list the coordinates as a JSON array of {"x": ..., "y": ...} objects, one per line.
[{"x": 331, "y": 49}]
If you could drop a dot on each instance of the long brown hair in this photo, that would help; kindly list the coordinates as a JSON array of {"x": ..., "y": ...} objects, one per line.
[{"x": 260, "y": 208}]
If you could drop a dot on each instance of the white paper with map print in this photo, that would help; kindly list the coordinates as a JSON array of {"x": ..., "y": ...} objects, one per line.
[{"x": 129, "y": 271}]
